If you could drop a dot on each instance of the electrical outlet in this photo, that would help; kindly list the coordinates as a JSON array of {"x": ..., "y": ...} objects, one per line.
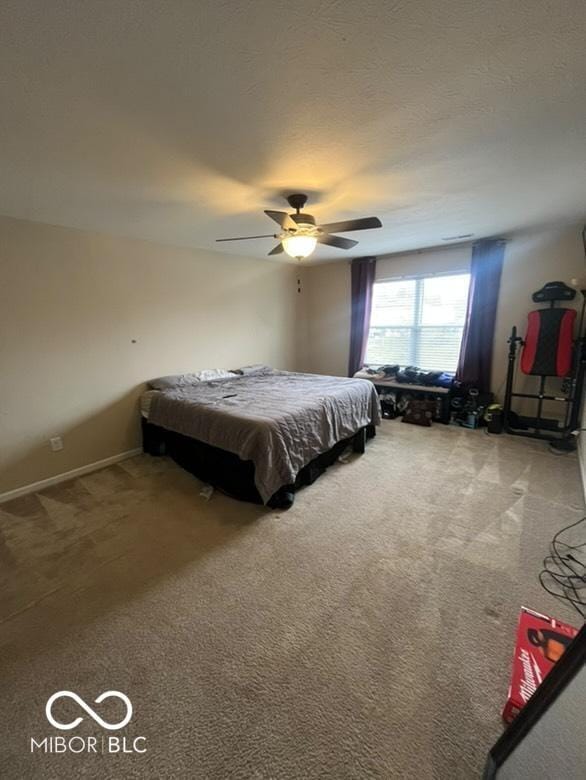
[{"x": 56, "y": 443}]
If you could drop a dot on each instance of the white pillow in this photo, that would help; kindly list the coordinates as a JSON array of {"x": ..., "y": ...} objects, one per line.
[
  {"x": 173, "y": 380},
  {"x": 213, "y": 373},
  {"x": 183, "y": 380}
]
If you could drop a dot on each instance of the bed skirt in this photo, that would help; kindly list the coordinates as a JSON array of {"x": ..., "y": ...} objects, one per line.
[{"x": 233, "y": 476}]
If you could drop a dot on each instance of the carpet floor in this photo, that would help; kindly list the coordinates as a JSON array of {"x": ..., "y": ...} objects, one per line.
[{"x": 367, "y": 632}]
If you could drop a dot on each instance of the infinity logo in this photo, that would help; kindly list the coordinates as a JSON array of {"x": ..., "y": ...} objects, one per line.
[{"x": 104, "y": 724}]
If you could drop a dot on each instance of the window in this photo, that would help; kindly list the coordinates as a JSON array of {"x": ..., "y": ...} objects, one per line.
[{"x": 418, "y": 322}]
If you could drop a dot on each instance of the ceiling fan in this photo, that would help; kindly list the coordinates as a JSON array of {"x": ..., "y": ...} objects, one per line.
[{"x": 300, "y": 235}]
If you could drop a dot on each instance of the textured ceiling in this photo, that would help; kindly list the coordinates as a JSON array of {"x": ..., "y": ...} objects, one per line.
[{"x": 180, "y": 121}]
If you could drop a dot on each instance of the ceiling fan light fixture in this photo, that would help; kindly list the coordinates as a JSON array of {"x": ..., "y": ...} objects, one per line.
[
  {"x": 299, "y": 234},
  {"x": 299, "y": 246}
]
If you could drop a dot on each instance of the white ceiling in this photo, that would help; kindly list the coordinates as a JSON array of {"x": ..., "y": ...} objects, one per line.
[{"x": 180, "y": 121}]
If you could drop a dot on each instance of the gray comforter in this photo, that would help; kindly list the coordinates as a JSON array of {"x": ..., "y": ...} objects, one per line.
[{"x": 278, "y": 420}]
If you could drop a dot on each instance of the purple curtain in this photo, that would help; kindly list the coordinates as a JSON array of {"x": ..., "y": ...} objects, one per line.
[
  {"x": 475, "y": 363},
  {"x": 363, "y": 270}
]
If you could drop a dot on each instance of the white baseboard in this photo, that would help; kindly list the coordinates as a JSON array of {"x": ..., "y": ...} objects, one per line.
[{"x": 44, "y": 483}]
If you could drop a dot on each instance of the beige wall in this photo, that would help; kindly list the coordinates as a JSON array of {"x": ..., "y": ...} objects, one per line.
[
  {"x": 326, "y": 314},
  {"x": 531, "y": 259},
  {"x": 71, "y": 304}
]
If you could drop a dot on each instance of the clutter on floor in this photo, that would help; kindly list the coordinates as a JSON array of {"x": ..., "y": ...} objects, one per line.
[
  {"x": 470, "y": 408},
  {"x": 540, "y": 643},
  {"x": 421, "y": 397},
  {"x": 564, "y": 569},
  {"x": 542, "y": 640},
  {"x": 419, "y": 412},
  {"x": 401, "y": 389}
]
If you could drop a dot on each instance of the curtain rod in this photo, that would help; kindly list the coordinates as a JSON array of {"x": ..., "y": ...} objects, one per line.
[
  {"x": 426, "y": 275},
  {"x": 441, "y": 247},
  {"x": 434, "y": 248}
]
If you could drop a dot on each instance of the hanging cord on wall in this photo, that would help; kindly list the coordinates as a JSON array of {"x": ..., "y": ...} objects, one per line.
[{"x": 564, "y": 570}]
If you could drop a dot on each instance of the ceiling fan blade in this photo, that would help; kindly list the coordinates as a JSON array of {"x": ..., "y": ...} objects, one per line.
[
  {"x": 366, "y": 223},
  {"x": 337, "y": 241},
  {"x": 277, "y": 250},
  {"x": 246, "y": 238},
  {"x": 282, "y": 219}
]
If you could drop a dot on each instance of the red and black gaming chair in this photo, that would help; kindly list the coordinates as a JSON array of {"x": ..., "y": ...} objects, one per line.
[{"x": 547, "y": 351}]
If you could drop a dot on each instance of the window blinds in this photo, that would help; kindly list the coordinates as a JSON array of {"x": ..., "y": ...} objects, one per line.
[{"x": 418, "y": 322}]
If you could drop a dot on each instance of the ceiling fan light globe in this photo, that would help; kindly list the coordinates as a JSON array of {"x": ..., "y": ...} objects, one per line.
[{"x": 299, "y": 246}]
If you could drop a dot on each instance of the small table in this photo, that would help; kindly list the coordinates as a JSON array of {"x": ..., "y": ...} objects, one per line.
[{"x": 440, "y": 394}]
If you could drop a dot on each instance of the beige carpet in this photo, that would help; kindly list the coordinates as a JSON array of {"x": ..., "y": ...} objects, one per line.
[{"x": 367, "y": 632}]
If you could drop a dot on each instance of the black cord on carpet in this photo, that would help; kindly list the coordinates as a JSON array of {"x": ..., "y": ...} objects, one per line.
[{"x": 564, "y": 571}]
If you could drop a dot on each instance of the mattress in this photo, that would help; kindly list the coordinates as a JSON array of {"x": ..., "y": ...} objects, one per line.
[
  {"x": 278, "y": 420},
  {"x": 146, "y": 400}
]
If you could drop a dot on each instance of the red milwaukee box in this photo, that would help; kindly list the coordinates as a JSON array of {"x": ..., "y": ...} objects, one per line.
[{"x": 541, "y": 641}]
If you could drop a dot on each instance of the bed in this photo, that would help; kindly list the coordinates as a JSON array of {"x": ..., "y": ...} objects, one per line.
[{"x": 262, "y": 435}]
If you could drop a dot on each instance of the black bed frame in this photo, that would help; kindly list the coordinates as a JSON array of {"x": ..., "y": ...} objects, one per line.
[{"x": 233, "y": 476}]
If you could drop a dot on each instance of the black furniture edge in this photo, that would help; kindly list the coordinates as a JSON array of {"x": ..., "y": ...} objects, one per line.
[{"x": 556, "y": 681}]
